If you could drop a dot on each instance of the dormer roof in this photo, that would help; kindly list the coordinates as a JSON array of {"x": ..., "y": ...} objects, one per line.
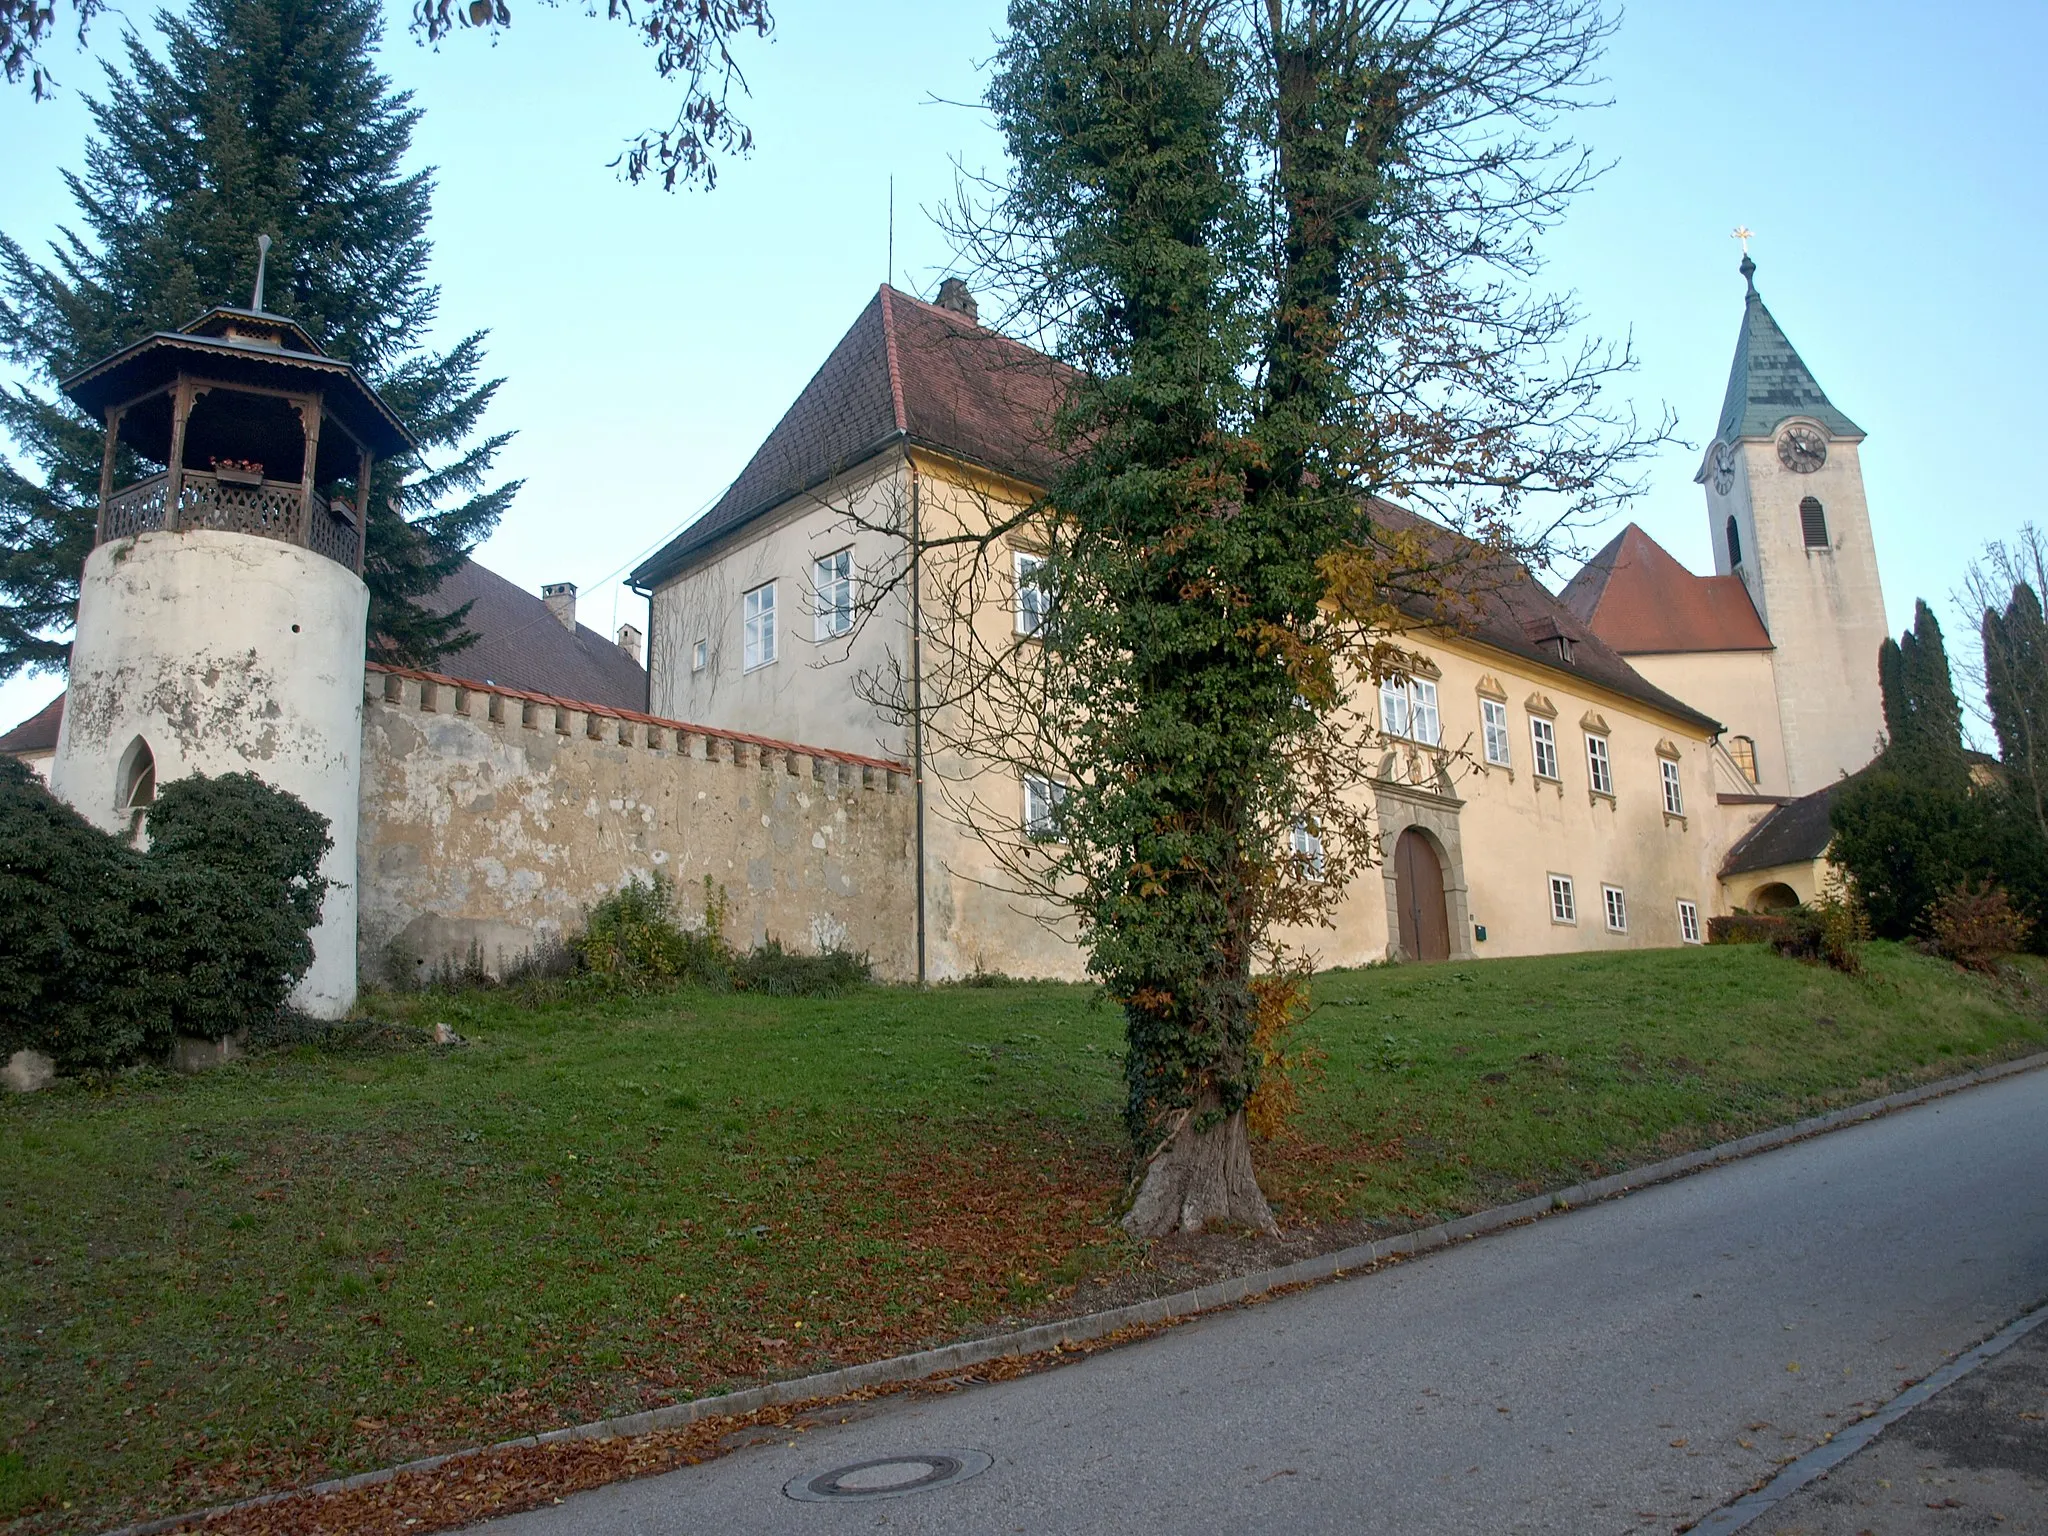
[
  {"x": 1768, "y": 384},
  {"x": 1635, "y": 596}
]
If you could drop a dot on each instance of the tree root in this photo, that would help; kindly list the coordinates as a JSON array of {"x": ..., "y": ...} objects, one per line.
[{"x": 1200, "y": 1179}]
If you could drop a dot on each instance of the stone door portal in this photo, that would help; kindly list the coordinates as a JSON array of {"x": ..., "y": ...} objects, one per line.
[{"x": 1419, "y": 890}]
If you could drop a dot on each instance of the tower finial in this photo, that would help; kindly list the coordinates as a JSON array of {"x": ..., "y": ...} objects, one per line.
[
  {"x": 1748, "y": 268},
  {"x": 262, "y": 260}
]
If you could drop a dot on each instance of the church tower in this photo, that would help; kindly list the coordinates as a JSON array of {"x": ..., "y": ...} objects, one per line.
[{"x": 1785, "y": 503}]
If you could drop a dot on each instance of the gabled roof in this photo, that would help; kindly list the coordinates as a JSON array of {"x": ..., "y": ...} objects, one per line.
[
  {"x": 1640, "y": 600},
  {"x": 1768, "y": 384},
  {"x": 38, "y": 733},
  {"x": 1498, "y": 603},
  {"x": 521, "y": 644},
  {"x": 907, "y": 372},
  {"x": 1797, "y": 832}
]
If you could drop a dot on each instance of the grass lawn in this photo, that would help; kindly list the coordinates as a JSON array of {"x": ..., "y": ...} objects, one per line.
[{"x": 311, "y": 1263}]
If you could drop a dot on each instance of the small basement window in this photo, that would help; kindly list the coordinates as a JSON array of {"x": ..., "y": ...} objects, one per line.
[{"x": 1813, "y": 523}]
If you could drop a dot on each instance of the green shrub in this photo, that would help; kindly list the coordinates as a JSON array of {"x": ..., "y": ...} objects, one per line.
[
  {"x": 634, "y": 938},
  {"x": 107, "y": 954},
  {"x": 1745, "y": 928},
  {"x": 1828, "y": 930},
  {"x": 776, "y": 972},
  {"x": 1976, "y": 926}
]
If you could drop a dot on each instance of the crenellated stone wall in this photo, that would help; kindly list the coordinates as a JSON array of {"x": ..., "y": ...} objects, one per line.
[{"x": 491, "y": 818}]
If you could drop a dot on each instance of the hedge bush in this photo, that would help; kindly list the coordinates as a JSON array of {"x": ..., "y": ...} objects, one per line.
[{"x": 107, "y": 954}]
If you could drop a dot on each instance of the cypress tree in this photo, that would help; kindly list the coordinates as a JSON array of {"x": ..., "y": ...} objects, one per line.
[
  {"x": 2016, "y": 689},
  {"x": 1923, "y": 718},
  {"x": 260, "y": 117}
]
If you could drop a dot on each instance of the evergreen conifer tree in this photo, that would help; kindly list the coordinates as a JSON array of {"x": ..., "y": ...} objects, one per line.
[
  {"x": 260, "y": 117},
  {"x": 1922, "y": 716},
  {"x": 2016, "y": 689}
]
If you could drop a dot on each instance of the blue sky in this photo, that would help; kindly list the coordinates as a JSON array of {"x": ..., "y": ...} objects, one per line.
[{"x": 1887, "y": 155}]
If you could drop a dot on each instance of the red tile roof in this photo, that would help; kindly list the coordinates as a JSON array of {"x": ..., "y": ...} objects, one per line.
[
  {"x": 1641, "y": 601},
  {"x": 638, "y": 717},
  {"x": 906, "y": 372},
  {"x": 38, "y": 733}
]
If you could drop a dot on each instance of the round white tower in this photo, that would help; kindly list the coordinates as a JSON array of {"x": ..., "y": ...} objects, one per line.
[{"x": 221, "y": 613}]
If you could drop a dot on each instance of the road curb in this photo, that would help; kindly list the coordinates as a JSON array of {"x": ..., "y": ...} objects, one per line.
[
  {"x": 1822, "y": 1459},
  {"x": 951, "y": 1358}
]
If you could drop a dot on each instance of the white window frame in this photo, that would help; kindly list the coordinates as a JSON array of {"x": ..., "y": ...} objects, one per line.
[
  {"x": 1599, "y": 765},
  {"x": 700, "y": 655},
  {"x": 1688, "y": 922},
  {"x": 1543, "y": 747},
  {"x": 1614, "y": 907},
  {"x": 1425, "y": 720},
  {"x": 1564, "y": 901},
  {"x": 832, "y": 594},
  {"x": 1393, "y": 706},
  {"x": 757, "y": 627},
  {"x": 1674, "y": 787},
  {"x": 1409, "y": 709},
  {"x": 1493, "y": 725},
  {"x": 1307, "y": 848},
  {"x": 1042, "y": 799},
  {"x": 1034, "y": 600}
]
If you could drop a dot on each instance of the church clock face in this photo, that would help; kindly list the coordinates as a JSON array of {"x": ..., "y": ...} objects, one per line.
[
  {"x": 1802, "y": 450},
  {"x": 1723, "y": 468}
]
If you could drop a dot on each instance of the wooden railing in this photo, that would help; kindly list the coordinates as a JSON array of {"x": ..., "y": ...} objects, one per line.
[{"x": 271, "y": 509}]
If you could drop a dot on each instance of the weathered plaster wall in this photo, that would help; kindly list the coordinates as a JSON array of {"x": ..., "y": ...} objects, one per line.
[
  {"x": 492, "y": 818},
  {"x": 225, "y": 653},
  {"x": 1739, "y": 689}
]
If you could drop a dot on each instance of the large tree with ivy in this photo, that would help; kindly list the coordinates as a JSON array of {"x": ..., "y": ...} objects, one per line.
[
  {"x": 1282, "y": 245},
  {"x": 255, "y": 117}
]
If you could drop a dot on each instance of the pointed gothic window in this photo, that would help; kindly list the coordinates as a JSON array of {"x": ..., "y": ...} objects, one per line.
[
  {"x": 1734, "y": 544},
  {"x": 1813, "y": 523}
]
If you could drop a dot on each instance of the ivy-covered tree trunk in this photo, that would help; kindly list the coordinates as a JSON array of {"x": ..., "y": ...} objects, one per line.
[
  {"x": 1271, "y": 239},
  {"x": 259, "y": 117}
]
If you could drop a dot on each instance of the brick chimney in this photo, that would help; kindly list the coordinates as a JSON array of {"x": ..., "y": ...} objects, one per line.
[
  {"x": 629, "y": 641},
  {"x": 953, "y": 295},
  {"x": 560, "y": 596}
]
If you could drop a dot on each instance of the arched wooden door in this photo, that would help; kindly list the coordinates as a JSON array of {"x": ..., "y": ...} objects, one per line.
[{"x": 1419, "y": 888}]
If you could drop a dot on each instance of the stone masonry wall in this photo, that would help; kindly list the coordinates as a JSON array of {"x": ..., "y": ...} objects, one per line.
[{"x": 493, "y": 817}]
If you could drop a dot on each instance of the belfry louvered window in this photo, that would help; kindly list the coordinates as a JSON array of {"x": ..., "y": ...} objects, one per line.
[
  {"x": 1813, "y": 523},
  {"x": 1734, "y": 544}
]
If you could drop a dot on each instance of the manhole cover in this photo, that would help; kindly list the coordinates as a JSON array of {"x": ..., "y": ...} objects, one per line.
[{"x": 890, "y": 1477}]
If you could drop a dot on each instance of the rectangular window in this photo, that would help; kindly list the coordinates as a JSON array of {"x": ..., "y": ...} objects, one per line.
[
  {"x": 1617, "y": 908},
  {"x": 1543, "y": 742},
  {"x": 1674, "y": 795},
  {"x": 1042, "y": 799},
  {"x": 1308, "y": 851},
  {"x": 700, "y": 656},
  {"x": 1034, "y": 596},
  {"x": 1394, "y": 707},
  {"x": 1493, "y": 716},
  {"x": 1423, "y": 720},
  {"x": 832, "y": 577},
  {"x": 1688, "y": 923},
  {"x": 1599, "y": 767},
  {"x": 757, "y": 626},
  {"x": 1564, "y": 905}
]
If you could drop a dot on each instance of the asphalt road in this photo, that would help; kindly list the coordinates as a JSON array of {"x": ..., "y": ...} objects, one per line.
[{"x": 1622, "y": 1368}]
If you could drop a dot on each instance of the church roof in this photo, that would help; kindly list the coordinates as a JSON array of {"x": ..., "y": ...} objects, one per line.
[
  {"x": 906, "y": 372},
  {"x": 1640, "y": 600},
  {"x": 38, "y": 733},
  {"x": 1768, "y": 383}
]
